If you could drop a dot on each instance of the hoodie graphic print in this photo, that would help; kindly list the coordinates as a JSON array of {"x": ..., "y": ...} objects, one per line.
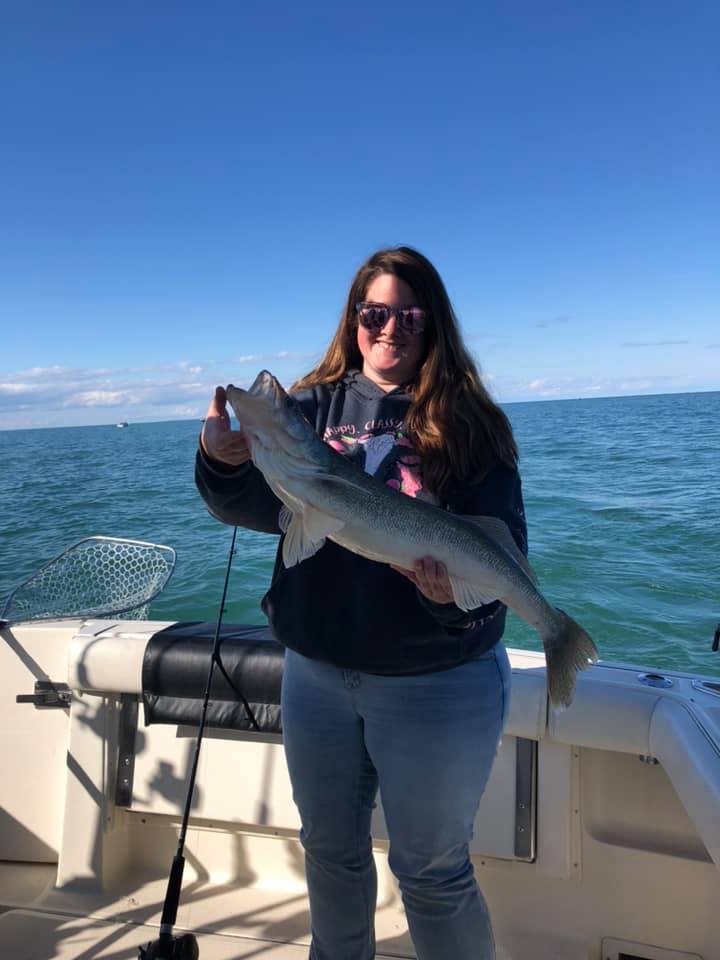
[{"x": 383, "y": 451}]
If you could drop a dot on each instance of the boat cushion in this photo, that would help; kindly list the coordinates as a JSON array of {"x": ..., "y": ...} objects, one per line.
[{"x": 175, "y": 672}]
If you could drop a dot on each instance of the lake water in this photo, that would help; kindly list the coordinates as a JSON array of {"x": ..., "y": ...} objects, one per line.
[{"x": 622, "y": 498}]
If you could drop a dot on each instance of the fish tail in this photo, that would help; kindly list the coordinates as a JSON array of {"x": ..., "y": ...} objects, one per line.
[{"x": 568, "y": 648}]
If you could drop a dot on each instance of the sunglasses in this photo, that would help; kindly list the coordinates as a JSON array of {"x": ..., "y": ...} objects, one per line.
[{"x": 374, "y": 316}]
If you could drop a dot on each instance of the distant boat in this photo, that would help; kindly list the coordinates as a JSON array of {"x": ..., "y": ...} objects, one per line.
[{"x": 122, "y": 424}]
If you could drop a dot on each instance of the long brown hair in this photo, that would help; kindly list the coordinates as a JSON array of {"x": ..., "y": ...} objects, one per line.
[{"x": 453, "y": 423}]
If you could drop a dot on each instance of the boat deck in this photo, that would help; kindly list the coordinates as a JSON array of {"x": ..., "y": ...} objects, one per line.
[
  {"x": 230, "y": 921},
  {"x": 59, "y": 937}
]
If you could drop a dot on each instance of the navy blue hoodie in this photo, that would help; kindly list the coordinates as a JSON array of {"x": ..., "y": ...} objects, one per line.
[{"x": 341, "y": 608}]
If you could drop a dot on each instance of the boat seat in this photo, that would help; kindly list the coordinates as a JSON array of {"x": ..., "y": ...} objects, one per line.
[
  {"x": 175, "y": 666},
  {"x": 166, "y": 667},
  {"x": 117, "y": 669},
  {"x": 175, "y": 670}
]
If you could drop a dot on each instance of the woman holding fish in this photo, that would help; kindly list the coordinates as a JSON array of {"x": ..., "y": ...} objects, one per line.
[{"x": 388, "y": 683}]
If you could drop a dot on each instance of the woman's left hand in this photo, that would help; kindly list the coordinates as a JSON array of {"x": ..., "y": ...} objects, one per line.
[{"x": 431, "y": 578}]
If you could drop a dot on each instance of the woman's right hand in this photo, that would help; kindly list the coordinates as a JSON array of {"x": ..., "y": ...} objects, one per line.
[{"x": 217, "y": 439}]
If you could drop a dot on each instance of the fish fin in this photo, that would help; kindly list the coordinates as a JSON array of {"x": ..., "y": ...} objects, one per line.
[
  {"x": 306, "y": 533},
  {"x": 468, "y": 596},
  {"x": 296, "y": 545},
  {"x": 285, "y": 518},
  {"x": 499, "y": 531},
  {"x": 567, "y": 649}
]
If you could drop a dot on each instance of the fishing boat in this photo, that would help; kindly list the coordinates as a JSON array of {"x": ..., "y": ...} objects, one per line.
[
  {"x": 598, "y": 837},
  {"x": 123, "y": 423}
]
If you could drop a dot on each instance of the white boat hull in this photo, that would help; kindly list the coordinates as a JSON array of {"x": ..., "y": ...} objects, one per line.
[{"x": 613, "y": 838}]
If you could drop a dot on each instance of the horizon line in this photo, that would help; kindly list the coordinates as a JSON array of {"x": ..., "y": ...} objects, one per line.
[{"x": 501, "y": 403}]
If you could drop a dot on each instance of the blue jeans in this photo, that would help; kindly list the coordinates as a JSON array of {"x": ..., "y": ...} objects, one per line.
[{"x": 429, "y": 742}]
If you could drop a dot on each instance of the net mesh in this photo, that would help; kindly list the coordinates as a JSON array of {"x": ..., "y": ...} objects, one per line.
[{"x": 97, "y": 577}]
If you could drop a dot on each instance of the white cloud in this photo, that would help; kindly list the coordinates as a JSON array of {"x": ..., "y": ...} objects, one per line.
[
  {"x": 634, "y": 386},
  {"x": 100, "y": 398},
  {"x": 182, "y": 412},
  {"x": 197, "y": 387},
  {"x": 37, "y": 372},
  {"x": 514, "y": 389},
  {"x": 60, "y": 396},
  {"x": 63, "y": 396},
  {"x": 18, "y": 388}
]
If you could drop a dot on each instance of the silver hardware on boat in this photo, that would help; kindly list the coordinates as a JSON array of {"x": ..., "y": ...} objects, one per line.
[
  {"x": 655, "y": 680},
  {"x": 126, "y": 750},
  {"x": 525, "y": 798},
  {"x": 707, "y": 686}
]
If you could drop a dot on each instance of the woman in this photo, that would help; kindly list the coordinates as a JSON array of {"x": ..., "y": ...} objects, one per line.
[{"x": 387, "y": 683}]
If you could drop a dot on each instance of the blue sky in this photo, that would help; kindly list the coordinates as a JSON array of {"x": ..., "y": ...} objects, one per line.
[{"x": 186, "y": 190}]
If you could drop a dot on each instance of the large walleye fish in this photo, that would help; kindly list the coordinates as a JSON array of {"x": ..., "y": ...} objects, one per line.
[{"x": 325, "y": 495}]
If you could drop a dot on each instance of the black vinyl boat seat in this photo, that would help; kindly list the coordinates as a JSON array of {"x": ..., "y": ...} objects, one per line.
[
  {"x": 175, "y": 671},
  {"x": 116, "y": 665}
]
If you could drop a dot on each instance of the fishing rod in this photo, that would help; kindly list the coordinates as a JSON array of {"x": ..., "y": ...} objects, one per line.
[{"x": 185, "y": 947}]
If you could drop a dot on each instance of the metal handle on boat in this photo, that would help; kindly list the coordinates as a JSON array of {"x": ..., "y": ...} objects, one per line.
[
  {"x": 706, "y": 686},
  {"x": 47, "y": 694}
]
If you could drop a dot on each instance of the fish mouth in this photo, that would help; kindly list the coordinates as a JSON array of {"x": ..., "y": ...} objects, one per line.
[
  {"x": 263, "y": 383},
  {"x": 265, "y": 386},
  {"x": 263, "y": 408},
  {"x": 280, "y": 434}
]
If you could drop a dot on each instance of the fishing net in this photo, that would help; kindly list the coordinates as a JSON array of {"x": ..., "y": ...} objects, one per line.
[{"x": 97, "y": 577}]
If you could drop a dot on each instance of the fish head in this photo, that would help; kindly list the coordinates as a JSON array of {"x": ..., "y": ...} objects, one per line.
[{"x": 271, "y": 419}]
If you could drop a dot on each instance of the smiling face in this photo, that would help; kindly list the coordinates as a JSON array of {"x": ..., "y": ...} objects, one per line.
[{"x": 391, "y": 356}]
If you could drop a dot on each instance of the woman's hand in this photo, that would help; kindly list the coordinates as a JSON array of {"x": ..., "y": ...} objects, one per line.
[
  {"x": 217, "y": 439},
  {"x": 431, "y": 578}
]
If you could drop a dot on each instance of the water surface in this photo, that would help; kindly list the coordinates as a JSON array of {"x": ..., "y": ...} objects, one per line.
[{"x": 622, "y": 498}]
